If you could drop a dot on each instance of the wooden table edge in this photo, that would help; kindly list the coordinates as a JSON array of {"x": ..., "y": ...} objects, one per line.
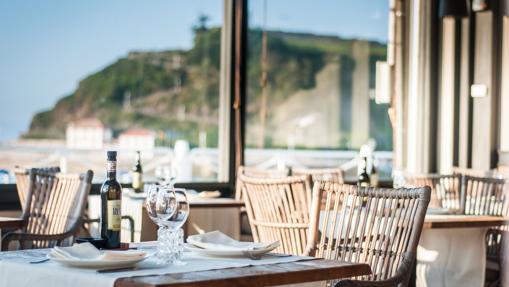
[
  {"x": 482, "y": 221},
  {"x": 11, "y": 222},
  {"x": 236, "y": 204},
  {"x": 268, "y": 279}
]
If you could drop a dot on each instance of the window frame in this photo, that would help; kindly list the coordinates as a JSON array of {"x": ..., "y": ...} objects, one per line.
[{"x": 233, "y": 45}]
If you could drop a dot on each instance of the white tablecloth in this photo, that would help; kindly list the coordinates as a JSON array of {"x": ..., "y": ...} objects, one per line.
[
  {"x": 18, "y": 272},
  {"x": 451, "y": 257}
]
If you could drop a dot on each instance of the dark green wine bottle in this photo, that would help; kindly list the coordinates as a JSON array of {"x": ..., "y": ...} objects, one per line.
[
  {"x": 111, "y": 202},
  {"x": 363, "y": 179},
  {"x": 138, "y": 174}
]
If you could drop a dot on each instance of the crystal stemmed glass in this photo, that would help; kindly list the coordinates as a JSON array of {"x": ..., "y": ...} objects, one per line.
[
  {"x": 175, "y": 223},
  {"x": 161, "y": 204}
]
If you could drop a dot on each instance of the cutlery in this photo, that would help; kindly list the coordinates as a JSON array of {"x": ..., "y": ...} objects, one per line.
[
  {"x": 122, "y": 269},
  {"x": 39, "y": 261}
]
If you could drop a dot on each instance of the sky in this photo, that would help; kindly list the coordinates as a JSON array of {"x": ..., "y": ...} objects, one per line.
[{"x": 47, "y": 47}]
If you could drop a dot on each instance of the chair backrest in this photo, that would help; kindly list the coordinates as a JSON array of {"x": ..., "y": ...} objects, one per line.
[
  {"x": 258, "y": 173},
  {"x": 278, "y": 209},
  {"x": 23, "y": 181},
  {"x": 475, "y": 172},
  {"x": 485, "y": 196},
  {"x": 380, "y": 227},
  {"x": 321, "y": 174},
  {"x": 445, "y": 189},
  {"x": 56, "y": 203}
]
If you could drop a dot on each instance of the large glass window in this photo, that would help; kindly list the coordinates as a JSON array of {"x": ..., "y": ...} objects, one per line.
[
  {"x": 311, "y": 82},
  {"x": 80, "y": 77}
]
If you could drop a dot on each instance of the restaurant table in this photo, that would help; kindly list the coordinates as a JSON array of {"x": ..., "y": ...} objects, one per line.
[
  {"x": 9, "y": 223},
  {"x": 207, "y": 214},
  {"x": 452, "y": 250},
  {"x": 199, "y": 270}
]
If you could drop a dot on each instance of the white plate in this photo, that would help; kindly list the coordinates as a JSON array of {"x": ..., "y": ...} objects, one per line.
[
  {"x": 230, "y": 253},
  {"x": 97, "y": 263}
]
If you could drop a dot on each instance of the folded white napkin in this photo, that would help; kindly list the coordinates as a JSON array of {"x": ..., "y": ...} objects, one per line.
[
  {"x": 219, "y": 241},
  {"x": 87, "y": 251}
]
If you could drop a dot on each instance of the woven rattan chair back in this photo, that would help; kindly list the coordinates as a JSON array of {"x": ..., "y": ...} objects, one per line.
[
  {"x": 380, "y": 227},
  {"x": 476, "y": 172},
  {"x": 54, "y": 208},
  {"x": 485, "y": 196},
  {"x": 321, "y": 174},
  {"x": 278, "y": 209},
  {"x": 258, "y": 173},
  {"x": 445, "y": 189},
  {"x": 23, "y": 181}
]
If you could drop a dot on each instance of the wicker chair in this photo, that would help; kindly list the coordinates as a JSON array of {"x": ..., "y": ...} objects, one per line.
[
  {"x": 445, "y": 189},
  {"x": 278, "y": 209},
  {"x": 23, "y": 181},
  {"x": 380, "y": 227},
  {"x": 484, "y": 196},
  {"x": 488, "y": 196},
  {"x": 476, "y": 172},
  {"x": 245, "y": 228},
  {"x": 321, "y": 174},
  {"x": 54, "y": 209}
]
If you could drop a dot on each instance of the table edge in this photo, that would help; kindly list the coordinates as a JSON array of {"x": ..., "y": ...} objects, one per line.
[{"x": 268, "y": 280}]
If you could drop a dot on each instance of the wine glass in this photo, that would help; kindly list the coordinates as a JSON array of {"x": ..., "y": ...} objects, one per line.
[
  {"x": 178, "y": 219},
  {"x": 175, "y": 222},
  {"x": 160, "y": 207}
]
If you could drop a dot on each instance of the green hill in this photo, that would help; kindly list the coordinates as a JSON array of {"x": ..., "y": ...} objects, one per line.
[{"x": 176, "y": 92}]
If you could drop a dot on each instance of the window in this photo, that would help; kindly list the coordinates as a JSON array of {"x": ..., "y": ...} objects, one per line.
[
  {"x": 311, "y": 82},
  {"x": 78, "y": 78}
]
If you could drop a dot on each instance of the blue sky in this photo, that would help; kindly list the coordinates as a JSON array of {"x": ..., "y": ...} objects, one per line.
[{"x": 47, "y": 47}]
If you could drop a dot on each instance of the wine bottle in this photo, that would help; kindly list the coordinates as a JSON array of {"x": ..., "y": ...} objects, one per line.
[
  {"x": 138, "y": 174},
  {"x": 363, "y": 179},
  {"x": 111, "y": 198},
  {"x": 374, "y": 173}
]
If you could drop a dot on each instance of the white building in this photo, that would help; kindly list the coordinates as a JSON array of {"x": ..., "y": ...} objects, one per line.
[
  {"x": 87, "y": 134},
  {"x": 137, "y": 139}
]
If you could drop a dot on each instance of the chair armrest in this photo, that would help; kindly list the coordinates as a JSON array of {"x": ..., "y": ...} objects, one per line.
[
  {"x": 401, "y": 278},
  {"x": 21, "y": 237}
]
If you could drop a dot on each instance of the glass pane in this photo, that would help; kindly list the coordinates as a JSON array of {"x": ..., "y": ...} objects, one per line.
[
  {"x": 81, "y": 77},
  {"x": 311, "y": 83}
]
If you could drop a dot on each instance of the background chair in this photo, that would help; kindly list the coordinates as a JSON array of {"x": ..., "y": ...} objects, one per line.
[
  {"x": 321, "y": 174},
  {"x": 484, "y": 196},
  {"x": 445, "y": 189},
  {"x": 23, "y": 181},
  {"x": 259, "y": 173},
  {"x": 278, "y": 209},
  {"x": 245, "y": 228},
  {"x": 380, "y": 227},
  {"x": 489, "y": 196},
  {"x": 54, "y": 209}
]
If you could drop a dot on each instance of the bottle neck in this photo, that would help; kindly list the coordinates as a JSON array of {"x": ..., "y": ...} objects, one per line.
[
  {"x": 112, "y": 169},
  {"x": 364, "y": 165}
]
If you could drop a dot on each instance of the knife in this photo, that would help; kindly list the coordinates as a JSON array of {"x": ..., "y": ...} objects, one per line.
[{"x": 122, "y": 269}]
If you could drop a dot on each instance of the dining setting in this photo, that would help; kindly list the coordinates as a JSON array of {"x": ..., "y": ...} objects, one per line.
[
  {"x": 302, "y": 223},
  {"x": 105, "y": 261}
]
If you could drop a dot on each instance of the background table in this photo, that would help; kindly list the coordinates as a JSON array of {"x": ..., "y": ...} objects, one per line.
[
  {"x": 207, "y": 214},
  {"x": 9, "y": 223},
  {"x": 452, "y": 250}
]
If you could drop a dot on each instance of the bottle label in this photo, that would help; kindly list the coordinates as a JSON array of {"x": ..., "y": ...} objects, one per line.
[
  {"x": 114, "y": 215},
  {"x": 364, "y": 184},
  {"x": 137, "y": 180},
  {"x": 112, "y": 166}
]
